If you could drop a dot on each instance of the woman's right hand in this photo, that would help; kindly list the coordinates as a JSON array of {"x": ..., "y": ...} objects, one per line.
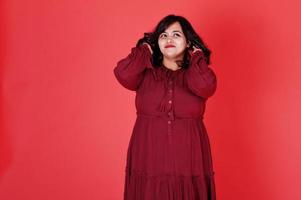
[{"x": 149, "y": 47}]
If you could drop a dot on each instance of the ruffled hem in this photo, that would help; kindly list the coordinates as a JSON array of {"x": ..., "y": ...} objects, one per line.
[{"x": 140, "y": 186}]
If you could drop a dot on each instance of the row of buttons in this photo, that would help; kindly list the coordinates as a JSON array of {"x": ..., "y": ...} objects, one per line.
[{"x": 170, "y": 102}]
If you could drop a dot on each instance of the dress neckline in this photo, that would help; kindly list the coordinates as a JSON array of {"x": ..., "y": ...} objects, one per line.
[{"x": 170, "y": 70}]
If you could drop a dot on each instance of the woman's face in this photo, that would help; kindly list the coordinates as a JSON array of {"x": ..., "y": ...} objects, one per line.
[{"x": 172, "y": 42}]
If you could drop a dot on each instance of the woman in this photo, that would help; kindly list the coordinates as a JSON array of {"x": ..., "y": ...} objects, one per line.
[{"x": 169, "y": 155}]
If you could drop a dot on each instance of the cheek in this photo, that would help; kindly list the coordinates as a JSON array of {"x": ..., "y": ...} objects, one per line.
[
  {"x": 161, "y": 44},
  {"x": 181, "y": 46},
  {"x": 182, "y": 43}
]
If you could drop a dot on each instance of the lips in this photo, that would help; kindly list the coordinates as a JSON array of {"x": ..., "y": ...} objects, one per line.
[{"x": 169, "y": 46}]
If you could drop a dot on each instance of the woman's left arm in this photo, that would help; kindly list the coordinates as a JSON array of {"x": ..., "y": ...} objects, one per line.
[{"x": 199, "y": 77}]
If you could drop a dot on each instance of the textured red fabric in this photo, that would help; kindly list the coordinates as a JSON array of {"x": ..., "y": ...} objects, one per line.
[{"x": 169, "y": 155}]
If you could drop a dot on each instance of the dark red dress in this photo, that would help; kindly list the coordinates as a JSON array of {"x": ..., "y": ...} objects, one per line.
[{"x": 169, "y": 155}]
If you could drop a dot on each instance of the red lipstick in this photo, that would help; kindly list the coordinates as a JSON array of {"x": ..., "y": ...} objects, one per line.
[{"x": 169, "y": 45}]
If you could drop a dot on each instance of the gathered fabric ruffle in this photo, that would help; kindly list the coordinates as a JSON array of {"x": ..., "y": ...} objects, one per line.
[{"x": 141, "y": 186}]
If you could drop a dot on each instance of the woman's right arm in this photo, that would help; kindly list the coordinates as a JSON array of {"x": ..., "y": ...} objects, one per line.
[{"x": 130, "y": 70}]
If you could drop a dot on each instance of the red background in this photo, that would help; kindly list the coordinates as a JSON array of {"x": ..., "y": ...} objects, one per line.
[{"x": 66, "y": 122}]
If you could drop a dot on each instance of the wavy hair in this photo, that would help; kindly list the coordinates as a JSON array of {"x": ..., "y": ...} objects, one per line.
[{"x": 191, "y": 36}]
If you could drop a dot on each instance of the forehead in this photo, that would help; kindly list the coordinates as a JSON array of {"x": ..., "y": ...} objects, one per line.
[{"x": 174, "y": 27}]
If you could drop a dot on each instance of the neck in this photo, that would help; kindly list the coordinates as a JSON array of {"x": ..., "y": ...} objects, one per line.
[{"x": 170, "y": 64}]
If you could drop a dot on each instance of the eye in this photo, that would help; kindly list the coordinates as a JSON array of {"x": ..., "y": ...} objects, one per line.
[
  {"x": 177, "y": 34},
  {"x": 162, "y": 35}
]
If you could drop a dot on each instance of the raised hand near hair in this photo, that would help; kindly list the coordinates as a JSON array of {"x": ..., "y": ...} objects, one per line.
[
  {"x": 150, "y": 49},
  {"x": 196, "y": 49},
  {"x": 193, "y": 50}
]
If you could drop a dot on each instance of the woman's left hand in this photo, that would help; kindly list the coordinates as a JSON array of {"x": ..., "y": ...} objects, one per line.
[
  {"x": 193, "y": 50},
  {"x": 196, "y": 49}
]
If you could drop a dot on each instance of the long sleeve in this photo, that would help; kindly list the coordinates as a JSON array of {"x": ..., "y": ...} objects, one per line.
[
  {"x": 130, "y": 70},
  {"x": 199, "y": 78}
]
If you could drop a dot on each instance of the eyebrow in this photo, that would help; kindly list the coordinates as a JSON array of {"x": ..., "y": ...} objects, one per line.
[{"x": 173, "y": 31}]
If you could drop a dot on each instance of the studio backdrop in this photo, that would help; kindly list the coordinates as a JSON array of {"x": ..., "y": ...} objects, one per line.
[{"x": 66, "y": 122}]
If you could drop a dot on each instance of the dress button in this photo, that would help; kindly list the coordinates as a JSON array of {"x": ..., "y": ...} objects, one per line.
[
  {"x": 170, "y": 82},
  {"x": 169, "y": 113},
  {"x": 170, "y": 101},
  {"x": 170, "y": 90},
  {"x": 169, "y": 122}
]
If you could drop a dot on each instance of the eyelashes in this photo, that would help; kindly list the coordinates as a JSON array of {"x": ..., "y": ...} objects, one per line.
[{"x": 164, "y": 35}]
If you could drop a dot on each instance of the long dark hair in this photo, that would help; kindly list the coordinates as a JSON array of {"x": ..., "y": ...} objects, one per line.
[{"x": 191, "y": 36}]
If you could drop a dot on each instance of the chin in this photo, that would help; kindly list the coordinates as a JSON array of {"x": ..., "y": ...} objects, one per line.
[{"x": 170, "y": 56}]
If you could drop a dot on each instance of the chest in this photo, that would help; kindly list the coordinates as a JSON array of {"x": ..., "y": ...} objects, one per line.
[{"x": 162, "y": 92}]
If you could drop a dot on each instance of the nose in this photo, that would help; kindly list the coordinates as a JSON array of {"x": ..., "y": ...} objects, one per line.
[{"x": 169, "y": 39}]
